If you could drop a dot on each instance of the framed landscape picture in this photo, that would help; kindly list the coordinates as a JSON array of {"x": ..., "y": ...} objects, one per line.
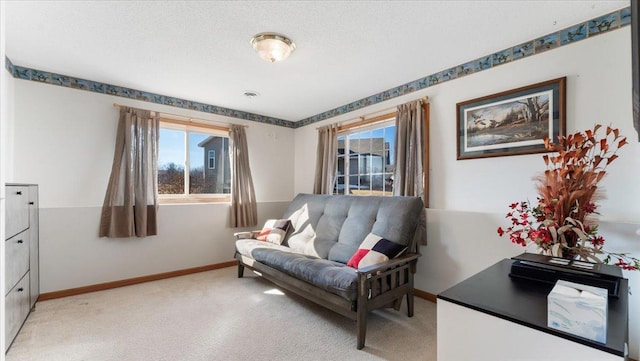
[{"x": 512, "y": 122}]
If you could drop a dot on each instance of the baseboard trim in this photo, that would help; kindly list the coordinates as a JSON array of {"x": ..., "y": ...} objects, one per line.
[
  {"x": 133, "y": 281},
  {"x": 159, "y": 276},
  {"x": 426, "y": 295}
]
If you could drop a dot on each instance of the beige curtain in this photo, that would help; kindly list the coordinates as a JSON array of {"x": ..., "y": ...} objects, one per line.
[
  {"x": 409, "y": 174},
  {"x": 244, "y": 211},
  {"x": 131, "y": 202},
  {"x": 326, "y": 155},
  {"x": 409, "y": 148}
]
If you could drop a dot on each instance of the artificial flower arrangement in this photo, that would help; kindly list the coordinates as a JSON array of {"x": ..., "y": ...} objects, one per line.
[{"x": 563, "y": 223}]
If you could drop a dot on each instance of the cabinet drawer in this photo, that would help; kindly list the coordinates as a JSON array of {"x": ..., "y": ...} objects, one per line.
[
  {"x": 16, "y": 309},
  {"x": 16, "y": 259},
  {"x": 16, "y": 210}
]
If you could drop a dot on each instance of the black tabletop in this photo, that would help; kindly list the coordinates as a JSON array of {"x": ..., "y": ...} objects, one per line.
[{"x": 522, "y": 301}]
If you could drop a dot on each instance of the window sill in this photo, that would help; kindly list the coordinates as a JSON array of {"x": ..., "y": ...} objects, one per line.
[{"x": 187, "y": 200}]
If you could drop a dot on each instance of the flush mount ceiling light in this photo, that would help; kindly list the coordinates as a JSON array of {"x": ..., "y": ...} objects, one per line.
[{"x": 272, "y": 47}]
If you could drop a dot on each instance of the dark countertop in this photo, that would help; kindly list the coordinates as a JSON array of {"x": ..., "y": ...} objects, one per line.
[{"x": 522, "y": 301}]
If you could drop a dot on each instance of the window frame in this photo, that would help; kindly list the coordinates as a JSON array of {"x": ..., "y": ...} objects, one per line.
[
  {"x": 357, "y": 126},
  {"x": 188, "y": 127}
]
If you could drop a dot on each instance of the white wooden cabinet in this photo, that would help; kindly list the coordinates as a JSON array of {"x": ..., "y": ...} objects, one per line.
[
  {"x": 21, "y": 269},
  {"x": 493, "y": 317},
  {"x": 468, "y": 334}
]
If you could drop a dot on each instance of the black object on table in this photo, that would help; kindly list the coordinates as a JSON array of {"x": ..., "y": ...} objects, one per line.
[
  {"x": 550, "y": 269},
  {"x": 524, "y": 302}
]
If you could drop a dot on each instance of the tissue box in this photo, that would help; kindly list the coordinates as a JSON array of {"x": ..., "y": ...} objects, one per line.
[{"x": 578, "y": 309}]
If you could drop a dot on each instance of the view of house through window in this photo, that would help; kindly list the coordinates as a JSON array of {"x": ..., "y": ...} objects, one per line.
[
  {"x": 366, "y": 161},
  {"x": 187, "y": 161}
]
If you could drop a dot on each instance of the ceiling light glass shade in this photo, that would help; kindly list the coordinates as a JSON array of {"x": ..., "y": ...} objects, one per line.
[{"x": 272, "y": 47}]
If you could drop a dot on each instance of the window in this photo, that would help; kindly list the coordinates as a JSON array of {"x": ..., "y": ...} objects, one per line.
[
  {"x": 187, "y": 164},
  {"x": 212, "y": 159},
  {"x": 366, "y": 160}
]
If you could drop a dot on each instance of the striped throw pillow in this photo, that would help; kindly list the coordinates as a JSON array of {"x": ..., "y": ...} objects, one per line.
[{"x": 373, "y": 250}]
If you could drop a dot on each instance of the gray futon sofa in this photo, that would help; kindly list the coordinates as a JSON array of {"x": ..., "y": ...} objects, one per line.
[{"x": 325, "y": 233}]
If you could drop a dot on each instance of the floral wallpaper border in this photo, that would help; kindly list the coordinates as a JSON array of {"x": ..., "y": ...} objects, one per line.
[
  {"x": 584, "y": 30},
  {"x": 20, "y": 72}
]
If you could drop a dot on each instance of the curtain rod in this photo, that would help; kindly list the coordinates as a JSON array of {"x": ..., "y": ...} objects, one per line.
[
  {"x": 361, "y": 118},
  {"x": 195, "y": 121}
]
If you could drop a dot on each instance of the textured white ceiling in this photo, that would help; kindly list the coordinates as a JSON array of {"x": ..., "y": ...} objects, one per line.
[{"x": 346, "y": 50}]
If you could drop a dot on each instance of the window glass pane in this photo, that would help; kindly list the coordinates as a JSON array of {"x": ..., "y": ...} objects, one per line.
[
  {"x": 377, "y": 184},
  {"x": 209, "y": 170},
  {"x": 354, "y": 145},
  {"x": 353, "y": 184},
  {"x": 364, "y": 186},
  {"x": 341, "y": 165},
  {"x": 207, "y": 156},
  {"x": 377, "y": 164},
  {"x": 341, "y": 140},
  {"x": 365, "y": 141},
  {"x": 388, "y": 183},
  {"x": 339, "y": 186},
  {"x": 365, "y": 162},
  {"x": 378, "y": 133},
  {"x": 171, "y": 161},
  {"x": 197, "y": 163},
  {"x": 389, "y": 144},
  {"x": 389, "y": 164},
  {"x": 353, "y": 155}
]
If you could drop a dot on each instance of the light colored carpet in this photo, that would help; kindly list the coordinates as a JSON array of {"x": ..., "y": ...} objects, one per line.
[{"x": 215, "y": 316}]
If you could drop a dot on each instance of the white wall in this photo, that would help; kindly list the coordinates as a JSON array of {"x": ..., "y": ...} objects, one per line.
[
  {"x": 468, "y": 199},
  {"x": 64, "y": 141}
]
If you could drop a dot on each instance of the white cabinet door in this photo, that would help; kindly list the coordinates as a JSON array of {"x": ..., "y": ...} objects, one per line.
[
  {"x": 17, "y": 210},
  {"x": 17, "y": 259},
  {"x": 17, "y": 308}
]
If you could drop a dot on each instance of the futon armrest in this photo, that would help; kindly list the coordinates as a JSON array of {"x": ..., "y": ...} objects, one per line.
[
  {"x": 392, "y": 263},
  {"x": 245, "y": 235}
]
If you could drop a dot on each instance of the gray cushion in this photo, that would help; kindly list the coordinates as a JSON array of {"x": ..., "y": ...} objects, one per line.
[
  {"x": 333, "y": 226},
  {"x": 331, "y": 276}
]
